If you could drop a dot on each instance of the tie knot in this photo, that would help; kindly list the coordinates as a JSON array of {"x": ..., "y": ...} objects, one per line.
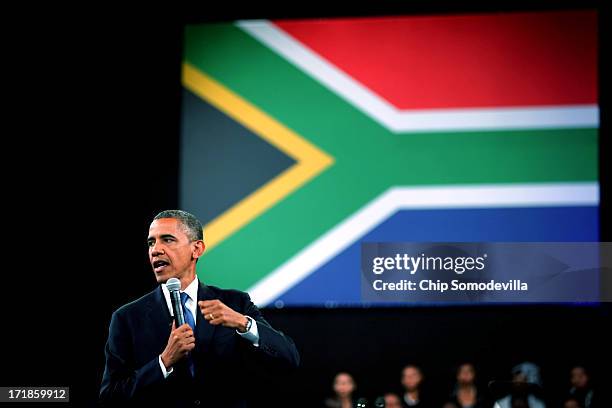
[{"x": 184, "y": 297}]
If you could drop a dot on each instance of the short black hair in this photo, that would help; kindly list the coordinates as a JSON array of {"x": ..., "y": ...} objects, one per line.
[{"x": 192, "y": 226}]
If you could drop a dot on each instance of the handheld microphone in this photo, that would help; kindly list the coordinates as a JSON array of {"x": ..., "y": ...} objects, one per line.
[
  {"x": 362, "y": 403},
  {"x": 379, "y": 402},
  {"x": 174, "y": 287}
]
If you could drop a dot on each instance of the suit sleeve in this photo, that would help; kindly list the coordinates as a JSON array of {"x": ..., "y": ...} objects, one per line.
[
  {"x": 274, "y": 345},
  {"x": 122, "y": 381}
]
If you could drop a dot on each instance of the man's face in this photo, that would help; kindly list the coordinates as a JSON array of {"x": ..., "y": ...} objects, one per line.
[
  {"x": 171, "y": 253},
  {"x": 411, "y": 378},
  {"x": 579, "y": 377}
]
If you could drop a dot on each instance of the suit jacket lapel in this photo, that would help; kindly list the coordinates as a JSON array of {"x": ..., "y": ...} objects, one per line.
[
  {"x": 159, "y": 316},
  {"x": 204, "y": 330}
]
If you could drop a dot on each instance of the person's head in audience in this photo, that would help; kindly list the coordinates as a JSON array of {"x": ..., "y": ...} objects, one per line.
[
  {"x": 465, "y": 393},
  {"x": 411, "y": 377},
  {"x": 392, "y": 400},
  {"x": 525, "y": 380},
  {"x": 344, "y": 385},
  {"x": 466, "y": 374},
  {"x": 526, "y": 373},
  {"x": 571, "y": 402},
  {"x": 579, "y": 378},
  {"x": 582, "y": 388}
]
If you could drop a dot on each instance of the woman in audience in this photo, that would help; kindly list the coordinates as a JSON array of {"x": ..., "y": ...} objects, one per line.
[
  {"x": 344, "y": 386},
  {"x": 465, "y": 393}
]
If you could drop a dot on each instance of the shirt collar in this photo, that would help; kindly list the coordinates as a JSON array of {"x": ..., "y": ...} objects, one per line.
[{"x": 191, "y": 290}]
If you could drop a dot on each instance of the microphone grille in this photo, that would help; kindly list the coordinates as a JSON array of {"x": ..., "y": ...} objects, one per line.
[{"x": 173, "y": 284}]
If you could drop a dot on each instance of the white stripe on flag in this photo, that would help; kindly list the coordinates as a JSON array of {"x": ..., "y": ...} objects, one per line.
[
  {"x": 430, "y": 120},
  {"x": 378, "y": 210}
]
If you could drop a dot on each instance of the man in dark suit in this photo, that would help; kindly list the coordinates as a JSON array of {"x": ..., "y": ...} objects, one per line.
[{"x": 208, "y": 361}]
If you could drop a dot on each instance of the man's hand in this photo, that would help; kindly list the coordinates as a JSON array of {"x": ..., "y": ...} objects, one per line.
[
  {"x": 180, "y": 342},
  {"x": 216, "y": 312}
]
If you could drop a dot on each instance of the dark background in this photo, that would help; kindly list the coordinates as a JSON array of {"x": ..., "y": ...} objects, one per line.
[{"x": 90, "y": 155}]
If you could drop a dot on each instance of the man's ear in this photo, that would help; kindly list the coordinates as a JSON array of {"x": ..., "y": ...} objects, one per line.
[{"x": 198, "y": 249}]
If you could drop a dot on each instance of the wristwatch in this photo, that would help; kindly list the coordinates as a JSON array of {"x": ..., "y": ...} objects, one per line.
[{"x": 248, "y": 324}]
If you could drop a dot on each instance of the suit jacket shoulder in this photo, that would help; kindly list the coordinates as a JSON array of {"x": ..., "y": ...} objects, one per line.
[{"x": 140, "y": 303}]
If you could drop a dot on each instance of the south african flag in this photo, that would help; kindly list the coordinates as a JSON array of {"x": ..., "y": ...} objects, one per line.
[{"x": 303, "y": 138}]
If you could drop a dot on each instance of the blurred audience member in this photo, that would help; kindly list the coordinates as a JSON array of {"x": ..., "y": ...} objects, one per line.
[
  {"x": 525, "y": 379},
  {"x": 412, "y": 379},
  {"x": 465, "y": 393},
  {"x": 571, "y": 402},
  {"x": 581, "y": 389},
  {"x": 392, "y": 400},
  {"x": 344, "y": 386}
]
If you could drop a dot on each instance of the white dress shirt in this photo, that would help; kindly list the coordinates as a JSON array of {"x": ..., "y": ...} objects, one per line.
[{"x": 192, "y": 292}]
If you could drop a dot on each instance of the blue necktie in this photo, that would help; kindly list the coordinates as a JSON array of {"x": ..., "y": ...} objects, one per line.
[{"x": 191, "y": 322}]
